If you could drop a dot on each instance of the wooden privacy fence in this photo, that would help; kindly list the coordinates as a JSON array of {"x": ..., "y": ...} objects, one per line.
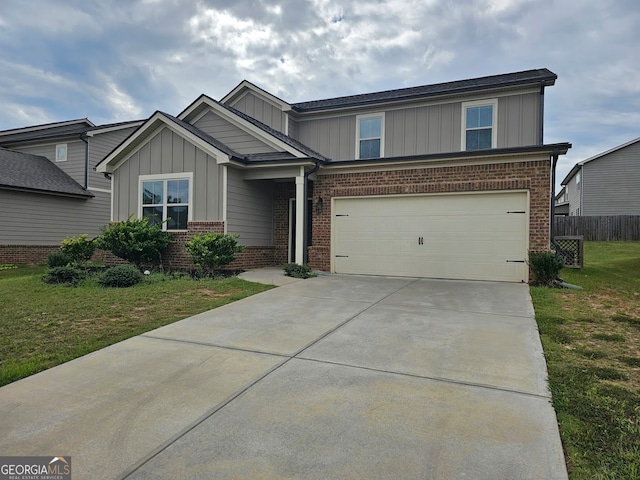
[{"x": 604, "y": 228}]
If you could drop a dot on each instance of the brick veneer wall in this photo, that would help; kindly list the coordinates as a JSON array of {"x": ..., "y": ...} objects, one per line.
[
  {"x": 15, "y": 254},
  {"x": 526, "y": 175}
]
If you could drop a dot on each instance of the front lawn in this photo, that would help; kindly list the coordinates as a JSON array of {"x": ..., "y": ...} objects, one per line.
[
  {"x": 43, "y": 325},
  {"x": 591, "y": 340}
]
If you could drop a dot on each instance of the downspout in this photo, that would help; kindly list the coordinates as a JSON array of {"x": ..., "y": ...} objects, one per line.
[
  {"x": 83, "y": 137},
  {"x": 541, "y": 119},
  {"x": 305, "y": 240}
]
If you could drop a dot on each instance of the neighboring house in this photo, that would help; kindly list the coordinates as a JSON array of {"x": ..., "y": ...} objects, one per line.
[
  {"x": 49, "y": 188},
  {"x": 562, "y": 203},
  {"x": 607, "y": 183},
  {"x": 449, "y": 180}
]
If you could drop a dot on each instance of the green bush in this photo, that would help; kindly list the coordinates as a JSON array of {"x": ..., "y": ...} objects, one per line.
[
  {"x": 58, "y": 259},
  {"x": 134, "y": 240},
  {"x": 211, "y": 251},
  {"x": 64, "y": 275},
  {"x": 298, "y": 271},
  {"x": 79, "y": 249},
  {"x": 121, "y": 276},
  {"x": 546, "y": 267}
]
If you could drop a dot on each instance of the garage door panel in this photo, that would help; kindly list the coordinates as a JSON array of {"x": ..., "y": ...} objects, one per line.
[{"x": 467, "y": 236}]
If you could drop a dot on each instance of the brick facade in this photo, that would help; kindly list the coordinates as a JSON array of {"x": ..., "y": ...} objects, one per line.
[{"x": 533, "y": 176}]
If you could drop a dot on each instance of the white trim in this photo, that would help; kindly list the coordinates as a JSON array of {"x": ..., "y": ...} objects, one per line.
[
  {"x": 379, "y": 115},
  {"x": 494, "y": 121},
  {"x": 237, "y": 94},
  {"x": 286, "y": 124},
  {"x": 103, "y": 190},
  {"x": 164, "y": 177},
  {"x": 96, "y": 131},
  {"x": 66, "y": 152},
  {"x": 225, "y": 192}
]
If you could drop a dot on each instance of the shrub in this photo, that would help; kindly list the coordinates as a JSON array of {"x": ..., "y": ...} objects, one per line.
[
  {"x": 211, "y": 251},
  {"x": 64, "y": 275},
  {"x": 58, "y": 259},
  {"x": 134, "y": 240},
  {"x": 121, "y": 276},
  {"x": 298, "y": 271},
  {"x": 79, "y": 249},
  {"x": 546, "y": 267}
]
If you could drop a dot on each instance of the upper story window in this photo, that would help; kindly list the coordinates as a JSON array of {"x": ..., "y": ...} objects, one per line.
[
  {"x": 370, "y": 136},
  {"x": 479, "y": 124},
  {"x": 61, "y": 152},
  {"x": 165, "y": 200}
]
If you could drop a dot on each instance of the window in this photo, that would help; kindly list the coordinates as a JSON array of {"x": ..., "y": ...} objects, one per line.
[
  {"x": 479, "y": 124},
  {"x": 370, "y": 136},
  {"x": 166, "y": 200},
  {"x": 61, "y": 152}
]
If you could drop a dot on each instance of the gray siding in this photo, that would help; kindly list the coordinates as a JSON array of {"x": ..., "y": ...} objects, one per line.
[
  {"x": 293, "y": 128},
  {"x": 100, "y": 146},
  {"x": 612, "y": 183},
  {"x": 37, "y": 219},
  {"x": 75, "y": 164},
  {"x": 250, "y": 209},
  {"x": 230, "y": 135},
  {"x": 427, "y": 129},
  {"x": 573, "y": 196},
  {"x": 261, "y": 110},
  {"x": 168, "y": 152}
]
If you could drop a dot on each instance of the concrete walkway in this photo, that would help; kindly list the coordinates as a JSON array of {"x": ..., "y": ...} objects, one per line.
[{"x": 334, "y": 377}]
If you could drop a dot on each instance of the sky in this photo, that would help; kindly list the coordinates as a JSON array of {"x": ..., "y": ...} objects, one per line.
[{"x": 117, "y": 60}]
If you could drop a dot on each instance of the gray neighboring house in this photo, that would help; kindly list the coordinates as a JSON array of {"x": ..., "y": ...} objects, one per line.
[
  {"x": 49, "y": 188},
  {"x": 605, "y": 184},
  {"x": 449, "y": 180}
]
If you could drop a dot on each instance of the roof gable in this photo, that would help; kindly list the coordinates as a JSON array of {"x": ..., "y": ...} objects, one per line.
[
  {"x": 275, "y": 139},
  {"x": 23, "y": 171},
  {"x": 578, "y": 165},
  {"x": 151, "y": 126},
  {"x": 244, "y": 87}
]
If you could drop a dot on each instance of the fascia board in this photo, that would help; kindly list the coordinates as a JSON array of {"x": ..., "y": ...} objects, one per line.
[{"x": 245, "y": 86}]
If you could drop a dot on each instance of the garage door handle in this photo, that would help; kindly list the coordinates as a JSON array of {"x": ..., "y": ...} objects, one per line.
[
  {"x": 518, "y": 211},
  {"x": 516, "y": 261},
  {"x": 420, "y": 240},
  {"x": 342, "y": 256}
]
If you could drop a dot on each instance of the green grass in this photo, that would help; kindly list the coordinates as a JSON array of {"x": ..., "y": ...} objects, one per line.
[
  {"x": 44, "y": 325},
  {"x": 591, "y": 340}
]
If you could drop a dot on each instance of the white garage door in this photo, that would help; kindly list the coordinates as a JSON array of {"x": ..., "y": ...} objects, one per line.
[{"x": 477, "y": 236}]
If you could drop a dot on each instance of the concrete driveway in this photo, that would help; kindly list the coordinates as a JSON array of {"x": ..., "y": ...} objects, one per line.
[{"x": 335, "y": 377}]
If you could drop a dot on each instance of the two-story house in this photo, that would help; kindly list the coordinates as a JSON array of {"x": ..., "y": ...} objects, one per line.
[
  {"x": 49, "y": 188},
  {"x": 606, "y": 184},
  {"x": 450, "y": 180}
]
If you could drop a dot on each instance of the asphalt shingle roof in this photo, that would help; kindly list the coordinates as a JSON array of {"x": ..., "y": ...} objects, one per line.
[
  {"x": 24, "y": 171},
  {"x": 72, "y": 128},
  {"x": 540, "y": 76}
]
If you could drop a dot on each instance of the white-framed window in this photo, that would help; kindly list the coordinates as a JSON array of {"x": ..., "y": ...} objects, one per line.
[
  {"x": 61, "y": 152},
  {"x": 479, "y": 124},
  {"x": 370, "y": 135},
  {"x": 166, "y": 199}
]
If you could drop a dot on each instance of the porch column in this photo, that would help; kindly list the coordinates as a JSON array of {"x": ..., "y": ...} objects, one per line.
[{"x": 300, "y": 203}]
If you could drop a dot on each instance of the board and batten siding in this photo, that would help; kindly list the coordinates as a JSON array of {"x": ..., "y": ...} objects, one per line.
[
  {"x": 74, "y": 166},
  {"x": 250, "y": 209},
  {"x": 421, "y": 130},
  {"x": 40, "y": 219},
  {"x": 169, "y": 153},
  {"x": 231, "y": 135},
  {"x": 262, "y": 111},
  {"x": 611, "y": 183},
  {"x": 100, "y": 145}
]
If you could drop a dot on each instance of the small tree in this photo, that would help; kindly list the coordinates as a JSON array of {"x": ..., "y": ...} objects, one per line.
[
  {"x": 78, "y": 249},
  {"x": 135, "y": 240},
  {"x": 211, "y": 251}
]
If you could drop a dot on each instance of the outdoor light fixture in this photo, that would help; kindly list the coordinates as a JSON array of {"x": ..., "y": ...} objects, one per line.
[{"x": 319, "y": 205}]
